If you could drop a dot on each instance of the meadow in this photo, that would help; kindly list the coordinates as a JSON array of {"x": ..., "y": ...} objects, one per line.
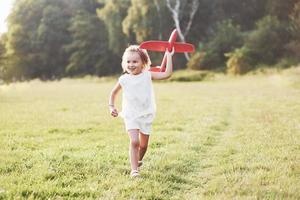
[{"x": 223, "y": 138}]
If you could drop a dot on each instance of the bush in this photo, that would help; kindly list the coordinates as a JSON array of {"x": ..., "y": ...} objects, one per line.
[
  {"x": 195, "y": 60},
  {"x": 266, "y": 43},
  {"x": 238, "y": 62},
  {"x": 226, "y": 38},
  {"x": 287, "y": 62},
  {"x": 293, "y": 49}
]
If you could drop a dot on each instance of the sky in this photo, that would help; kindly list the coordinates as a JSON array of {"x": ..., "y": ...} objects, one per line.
[{"x": 5, "y": 7}]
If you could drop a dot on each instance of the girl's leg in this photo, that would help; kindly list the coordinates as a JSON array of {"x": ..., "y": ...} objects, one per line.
[
  {"x": 143, "y": 145},
  {"x": 134, "y": 148}
]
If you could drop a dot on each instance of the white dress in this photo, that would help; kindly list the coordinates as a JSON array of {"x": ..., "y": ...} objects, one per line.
[{"x": 138, "y": 102}]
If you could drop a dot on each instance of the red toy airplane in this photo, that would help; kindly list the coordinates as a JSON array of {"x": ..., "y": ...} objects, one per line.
[{"x": 179, "y": 47}]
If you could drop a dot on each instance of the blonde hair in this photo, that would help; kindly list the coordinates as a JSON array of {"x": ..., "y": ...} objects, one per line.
[{"x": 142, "y": 53}]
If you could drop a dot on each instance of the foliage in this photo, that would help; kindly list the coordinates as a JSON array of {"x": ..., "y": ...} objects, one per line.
[
  {"x": 293, "y": 46},
  {"x": 86, "y": 38},
  {"x": 226, "y": 38},
  {"x": 287, "y": 62},
  {"x": 36, "y": 39},
  {"x": 49, "y": 39},
  {"x": 2, "y": 56},
  {"x": 140, "y": 20},
  {"x": 266, "y": 43},
  {"x": 53, "y": 33},
  {"x": 23, "y": 54},
  {"x": 88, "y": 49},
  {"x": 244, "y": 12},
  {"x": 238, "y": 62},
  {"x": 281, "y": 9},
  {"x": 112, "y": 14},
  {"x": 195, "y": 60}
]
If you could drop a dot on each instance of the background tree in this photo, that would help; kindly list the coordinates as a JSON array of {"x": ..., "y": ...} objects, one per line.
[
  {"x": 281, "y": 9},
  {"x": 37, "y": 30},
  {"x": 180, "y": 18},
  {"x": 293, "y": 46},
  {"x": 142, "y": 20},
  {"x": 56, "y": 38},
  {"x": 23, "y": 47},
  {"x": 267, "y": 43},
  {"x": 2, "y": 57},
  {"x": 53, "y": 34},
  {"x": 243, "y": 12},
  {"x": 112, "y": 15},
  {"x": 88, "y": 50},
  {"x": 226, "y": 38}
]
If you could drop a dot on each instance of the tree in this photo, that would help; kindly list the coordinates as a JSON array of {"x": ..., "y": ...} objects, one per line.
[
  {"x": 37, "y": 31},
  {"x": 141, "y": 20},
  {"x": 54, "y": 38},
  {"x": 112, "y": 14},
  {"x": 22, "y": 45},
  {"x": 53, "y": 34},
  {"x": 266, "y": 43},
  {"x": 177, "y": 14},
  {"x": 2, "y": 57},
  {"x": 281, "y": 9},
  {"x": 88, "y": 50},
  {"x": 226, "y": 38},
  {"x": 243, "y": 12},
  {"x": 294, "y": 45}
]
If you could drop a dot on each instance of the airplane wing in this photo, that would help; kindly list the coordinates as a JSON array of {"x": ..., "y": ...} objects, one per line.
[
  {"x": 183, "y": 47},
  {"x": 154, "y": 45}
]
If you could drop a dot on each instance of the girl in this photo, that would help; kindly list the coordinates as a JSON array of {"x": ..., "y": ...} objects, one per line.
[{"x": 138, "y": 103}]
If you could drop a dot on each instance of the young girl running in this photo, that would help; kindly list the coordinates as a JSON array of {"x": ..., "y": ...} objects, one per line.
[{"x": 138, "y": 103}]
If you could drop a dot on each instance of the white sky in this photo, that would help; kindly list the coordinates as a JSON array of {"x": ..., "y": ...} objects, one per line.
[{"x": 5, "y": 7}]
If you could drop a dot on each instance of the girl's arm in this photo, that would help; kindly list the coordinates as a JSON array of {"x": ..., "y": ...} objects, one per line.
[
  {"x": 169, "y": 69},
  {"x": 111, "y": 102}
]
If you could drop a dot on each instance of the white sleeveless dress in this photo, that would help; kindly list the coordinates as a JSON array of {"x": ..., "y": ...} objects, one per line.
[{"x": 138, "y": 101}]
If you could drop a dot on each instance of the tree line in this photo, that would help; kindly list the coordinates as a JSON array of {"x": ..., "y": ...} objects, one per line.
[{"x": 50, "y": 39}]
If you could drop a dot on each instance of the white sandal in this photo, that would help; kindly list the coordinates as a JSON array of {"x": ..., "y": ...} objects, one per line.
[{"x": 134, "y": 173}]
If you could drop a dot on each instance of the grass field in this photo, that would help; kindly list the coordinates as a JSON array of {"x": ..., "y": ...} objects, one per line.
[{"x": 228, "y": 138}]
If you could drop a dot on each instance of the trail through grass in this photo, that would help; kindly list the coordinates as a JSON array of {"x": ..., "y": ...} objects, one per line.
[{"x": 223, "y": 139}]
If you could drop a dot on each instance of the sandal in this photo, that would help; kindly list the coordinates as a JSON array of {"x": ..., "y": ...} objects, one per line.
[{"x": 134, "y": 173}]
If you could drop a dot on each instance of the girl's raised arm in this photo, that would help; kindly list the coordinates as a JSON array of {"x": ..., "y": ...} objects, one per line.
[{"x": 169, "y": 69}]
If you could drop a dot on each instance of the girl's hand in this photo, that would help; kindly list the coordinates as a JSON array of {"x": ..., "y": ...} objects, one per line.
[
  {"x": 113, "y": 111},
  {"x": 170, "y": 53}
]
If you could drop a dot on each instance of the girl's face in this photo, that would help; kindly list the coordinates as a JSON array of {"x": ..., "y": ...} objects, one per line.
[{"x": 133, "y": 63}]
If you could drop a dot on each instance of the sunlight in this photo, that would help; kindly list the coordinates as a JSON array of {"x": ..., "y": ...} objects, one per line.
[{"x": 5, "y": 7}]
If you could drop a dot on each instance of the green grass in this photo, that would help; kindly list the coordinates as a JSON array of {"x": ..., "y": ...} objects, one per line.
[
  {"x": 231, "y": 138},
  {"x": 191, "y": 76}
]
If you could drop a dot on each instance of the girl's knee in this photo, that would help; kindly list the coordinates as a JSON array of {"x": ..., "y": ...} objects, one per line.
[
  {"x": 134, "y": 137},
  {"x": 135, "y": 143},
  {"x": 133, "y": 132}
]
